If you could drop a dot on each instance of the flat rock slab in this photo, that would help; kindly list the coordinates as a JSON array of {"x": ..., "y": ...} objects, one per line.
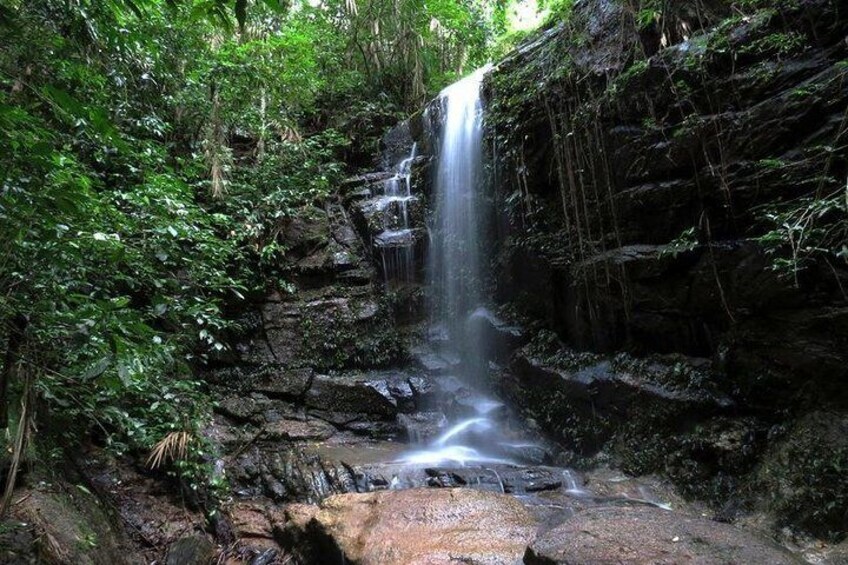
[
  {"x": 349, "y": 394},
  {"x": 294, "y": 430},
  {"x": 412, "y": 527},
  {"x": 650, "y": 535}
]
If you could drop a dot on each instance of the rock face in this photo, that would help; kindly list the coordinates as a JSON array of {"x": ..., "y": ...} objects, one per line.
[
  {"x": 803, "y": 477},
  {"x": 647, "y": 174},
  {"x": 585, "y": 399},
  {"x": 649, "y": 535},
  {"x": 637, "y": 169},
  {"x": 418, "y": 526}
]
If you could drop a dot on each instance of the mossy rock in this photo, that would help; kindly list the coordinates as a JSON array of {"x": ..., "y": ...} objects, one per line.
[
  {"x": 67, "y": 524},
  {"x": 806, "y": 475}
]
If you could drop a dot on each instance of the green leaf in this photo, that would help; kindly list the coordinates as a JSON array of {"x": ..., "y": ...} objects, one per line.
[{"x": 97, "y": 369}]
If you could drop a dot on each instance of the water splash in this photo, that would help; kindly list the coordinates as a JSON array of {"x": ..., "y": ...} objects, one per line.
[
  {"x": 472, "y": 424},
  {"x": 452, "y": 454}
]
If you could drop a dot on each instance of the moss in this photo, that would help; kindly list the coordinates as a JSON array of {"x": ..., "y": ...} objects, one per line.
[
  {"x": 342, "y": 339},
  {"x": 779, "y": 43},
  {"x": 805, "y": 475},
  {"x": 70, "y": 525}
]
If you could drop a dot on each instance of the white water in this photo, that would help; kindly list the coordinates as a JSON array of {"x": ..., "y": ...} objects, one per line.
[
  {"x": 397, "y": 245},
  {"x": 454, "y": 260},
  {"x": 475, "y": 424}
]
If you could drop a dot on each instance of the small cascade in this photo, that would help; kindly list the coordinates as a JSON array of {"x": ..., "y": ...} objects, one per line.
[{"x": 397, "y": 245}]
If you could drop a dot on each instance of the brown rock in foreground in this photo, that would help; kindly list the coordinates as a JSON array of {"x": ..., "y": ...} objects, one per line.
[
  {"x": 636, "y": 535},
  {"x": 412, "y": 527}
]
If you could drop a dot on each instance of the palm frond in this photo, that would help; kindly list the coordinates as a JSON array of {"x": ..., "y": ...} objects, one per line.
[{"x": 172, "y": 447}]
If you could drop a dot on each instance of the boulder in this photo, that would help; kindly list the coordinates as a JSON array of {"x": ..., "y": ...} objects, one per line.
[
  {"x": 646, "y": 534},
  {"x": 190, "y": 550},
  {"x": 351, "y": 395},
  {"x": 417, "y": 526}
]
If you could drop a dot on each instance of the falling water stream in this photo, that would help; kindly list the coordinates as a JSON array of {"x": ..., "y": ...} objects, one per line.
[{"x": 454, "y": 274}]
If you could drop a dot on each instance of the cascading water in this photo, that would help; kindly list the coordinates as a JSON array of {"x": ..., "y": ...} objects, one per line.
[{"x": 397, "y": 244}]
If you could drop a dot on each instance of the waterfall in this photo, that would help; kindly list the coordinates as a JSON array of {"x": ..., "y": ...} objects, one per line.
[
  {"x": 454, "y": 260},
  {"x": 454, "y": 274}
]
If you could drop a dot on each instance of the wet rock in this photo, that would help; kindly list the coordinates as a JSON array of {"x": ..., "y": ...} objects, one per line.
[
  {"x": 295, "y": 474},
  {"x": 289, "y": 383},
  {"x": 431, "y": 361},
  {"x": 397, "y": 142},
  {"x": 600, "y": 395},
  {"x": 266, "y": 557},
  {"x": 422, "y": 427},
  {"x": 352, "y": 394},
  {"x": 395, "y": 386},
  {"x": 527, "y": 452},
  {"x": 190, "y": 550},
  {"x": 298, "y": 430},
  {"x": 411, "y": 526},
  {"x": 386, "y": 213},
  {"x": 501, "y": 338},
  {"x": 503, "y": 478},
  {"x": 422, "y": 389},
  {"x": 643, "y": 534},
  {"x": 356, "y": 183},
  {"x": 395, "y": 238},
  {"x": 374, "y": 430}
]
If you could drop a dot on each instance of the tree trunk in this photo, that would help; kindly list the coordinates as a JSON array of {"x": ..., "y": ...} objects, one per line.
[{"x": 17, "y": 327}]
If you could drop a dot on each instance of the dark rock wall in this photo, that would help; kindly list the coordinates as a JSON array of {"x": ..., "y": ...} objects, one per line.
[{"x": 634, "y": 190}]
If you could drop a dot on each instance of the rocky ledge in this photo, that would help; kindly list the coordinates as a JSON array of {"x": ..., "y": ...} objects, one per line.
[{"x": 434, "y": 526}]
